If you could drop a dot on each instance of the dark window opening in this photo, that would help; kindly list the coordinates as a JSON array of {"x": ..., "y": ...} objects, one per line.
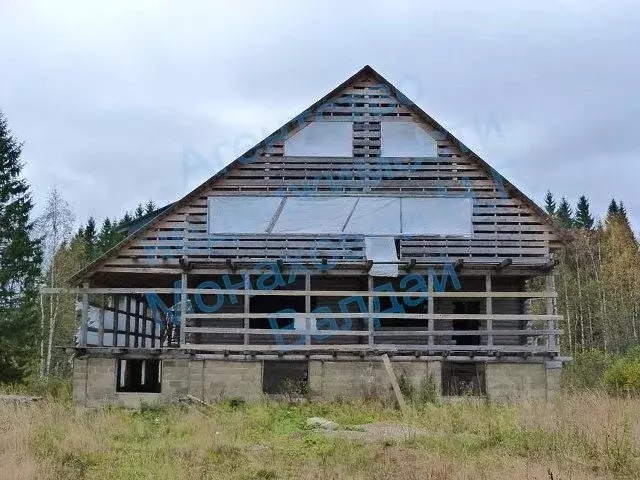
[
  {"x": 460, "y": 379},
  {"x": 466, "y": 308},
  {"x": 398, "y": 305},
  {"x": 285, "y": 377},
  {"x": 138, "y": 376},
  {"x": 275, "y": 304}
]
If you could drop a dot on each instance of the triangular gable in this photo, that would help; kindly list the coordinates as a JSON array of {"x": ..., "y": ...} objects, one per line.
[{"x": 392, "y": 105}]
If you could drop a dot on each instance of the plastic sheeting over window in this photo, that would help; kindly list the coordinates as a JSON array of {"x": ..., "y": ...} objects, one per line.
[
  {"x": 335, "y": 215},
  {"x": 321, "y": 139},
  {"x": 405, "y": 139},
  {"x": 242, "y": 214},
  {"x": 314, "y": 215},
  {"x": 375, "y": 216},
  {"x": 382, "y": 252}
]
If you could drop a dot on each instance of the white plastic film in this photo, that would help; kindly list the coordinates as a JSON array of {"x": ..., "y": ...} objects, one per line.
[
  {"x": 375, "y": 216},
  {"x": 405, "y": 139},
  {"x": 321, "y": 139},
  {"x": 382, "y": 249},
  {"x": 314, "y": 215},
  {"x": 250, "y": 214}
]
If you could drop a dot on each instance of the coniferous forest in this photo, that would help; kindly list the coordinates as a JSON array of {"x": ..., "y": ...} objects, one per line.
[{"x": 598, "y": 279}]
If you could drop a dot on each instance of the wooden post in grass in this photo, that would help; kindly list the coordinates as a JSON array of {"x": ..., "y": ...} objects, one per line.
[{"x": 394, "y": 382}]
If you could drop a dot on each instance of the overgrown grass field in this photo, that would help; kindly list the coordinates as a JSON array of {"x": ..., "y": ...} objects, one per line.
[{"x": 586, "y": 436}]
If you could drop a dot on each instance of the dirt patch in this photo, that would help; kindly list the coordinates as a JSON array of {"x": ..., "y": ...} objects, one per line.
[{"x": 376, "y": 432}]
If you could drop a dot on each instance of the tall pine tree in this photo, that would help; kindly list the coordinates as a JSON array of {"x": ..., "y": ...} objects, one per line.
[
  {"x": 564, "y": 214},
  {"x": 20, "y": 261},
  {"x": 550, "y": 204},
  {"x": 89, "y": 236},
  {"x": 149, "y": 207},
  {"x": 583, "y": 219}
]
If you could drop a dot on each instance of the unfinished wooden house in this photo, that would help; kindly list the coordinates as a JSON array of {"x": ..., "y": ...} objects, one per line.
[{"x": 361, "y": 227}]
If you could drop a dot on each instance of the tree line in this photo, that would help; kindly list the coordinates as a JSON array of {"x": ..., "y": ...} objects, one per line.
[
  {"x": 598, "y": 277},
  {"x": 44, "y": 251}
]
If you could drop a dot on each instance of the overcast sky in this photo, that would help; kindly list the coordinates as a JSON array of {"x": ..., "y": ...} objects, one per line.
[{"x": 111, "y": 98}]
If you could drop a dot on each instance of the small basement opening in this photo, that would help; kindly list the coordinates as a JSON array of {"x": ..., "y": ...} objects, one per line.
[
  {"x": 461, "y": 379},
  {"x": 141, "y": 376},
  {"x": 288, "y": 377}
]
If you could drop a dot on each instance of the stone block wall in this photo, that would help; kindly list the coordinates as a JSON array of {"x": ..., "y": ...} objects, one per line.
[
  {"x": 330, "y": 380},
  {"x": 517, "y": 382}
]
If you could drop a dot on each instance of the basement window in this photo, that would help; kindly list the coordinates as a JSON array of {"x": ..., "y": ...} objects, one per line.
[
  {"x": 462, "y": 379},
  {"x": 140, "y": 376},
  {"x": 285, "y": 377}
]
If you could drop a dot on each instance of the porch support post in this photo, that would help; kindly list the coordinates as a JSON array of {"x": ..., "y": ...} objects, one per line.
[
  {"x": 489, "y": 310},
  {"x": 370, "y": 310},
  {"x": 307, "y": 308},
  {"x": 183, "y": 310},
  {"x": 430, "y": 307},
  {"x": 247, "y": 287},
  {"x": 551, "y": 324},
  {"x": 127, "y": 323},
  {"x": 116, "y": 320},
  {"x": 101, "y": 321},
  {"x": 85, "y": 316}
]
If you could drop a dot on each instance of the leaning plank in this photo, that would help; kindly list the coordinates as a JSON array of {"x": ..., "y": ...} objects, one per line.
[{"x": 394, "y": 382}]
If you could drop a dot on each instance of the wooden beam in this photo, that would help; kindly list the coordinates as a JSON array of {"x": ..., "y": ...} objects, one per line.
[
  {"x": 394, "y": 382},
  {"x": 231, "y": 264},
  {"x": 430, "y": 309},
  {"x": 307, "y": 309},
  {"x": 247, "y": 303},
  {"x": 183, "y": 309},
  {"x": 489, "y": 309},
  {"x": 116, "y": 318},
  {"x": 551, "y": 324},
  {"x": 370, "y": 312},
  {"x": 504, "y": 264},
  {"x": 127, "y": 328},
  {"x": 411, "y": 265},
  {"x": 85, "y": 317},
  {"x": 101, "y": 321}
]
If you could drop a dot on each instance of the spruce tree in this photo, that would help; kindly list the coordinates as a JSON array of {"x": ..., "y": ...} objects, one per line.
[
  {"x": 89, "y": 236},
  {"x": 139, "y": 212},
  {"x": 149, "y": 207},
  {"x": 550, "y": 204},
  {"x": 564, "y": 214},
  {"x": 20, "y": 261},
  {"x": 613, "y": 207},
  {"x": 583, "y": 219}
]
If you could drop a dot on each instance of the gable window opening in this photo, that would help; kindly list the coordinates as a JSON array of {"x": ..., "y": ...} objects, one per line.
[{"x": 138, "y": 376}]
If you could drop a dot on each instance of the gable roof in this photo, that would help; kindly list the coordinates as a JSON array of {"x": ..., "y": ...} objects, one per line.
[{"x": 292, "y": 124}]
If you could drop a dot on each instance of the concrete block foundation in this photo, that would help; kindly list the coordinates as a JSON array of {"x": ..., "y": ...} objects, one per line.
[{"x": 212, "y": 380}]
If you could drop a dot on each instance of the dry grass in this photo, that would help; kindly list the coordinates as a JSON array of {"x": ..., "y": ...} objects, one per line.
[{"x": 590, "y": 436}]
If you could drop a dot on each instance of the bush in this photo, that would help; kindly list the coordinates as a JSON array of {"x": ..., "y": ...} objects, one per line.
[
  {"x": 586, "y": 371},
  {"x": 623, "y": 376}
]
